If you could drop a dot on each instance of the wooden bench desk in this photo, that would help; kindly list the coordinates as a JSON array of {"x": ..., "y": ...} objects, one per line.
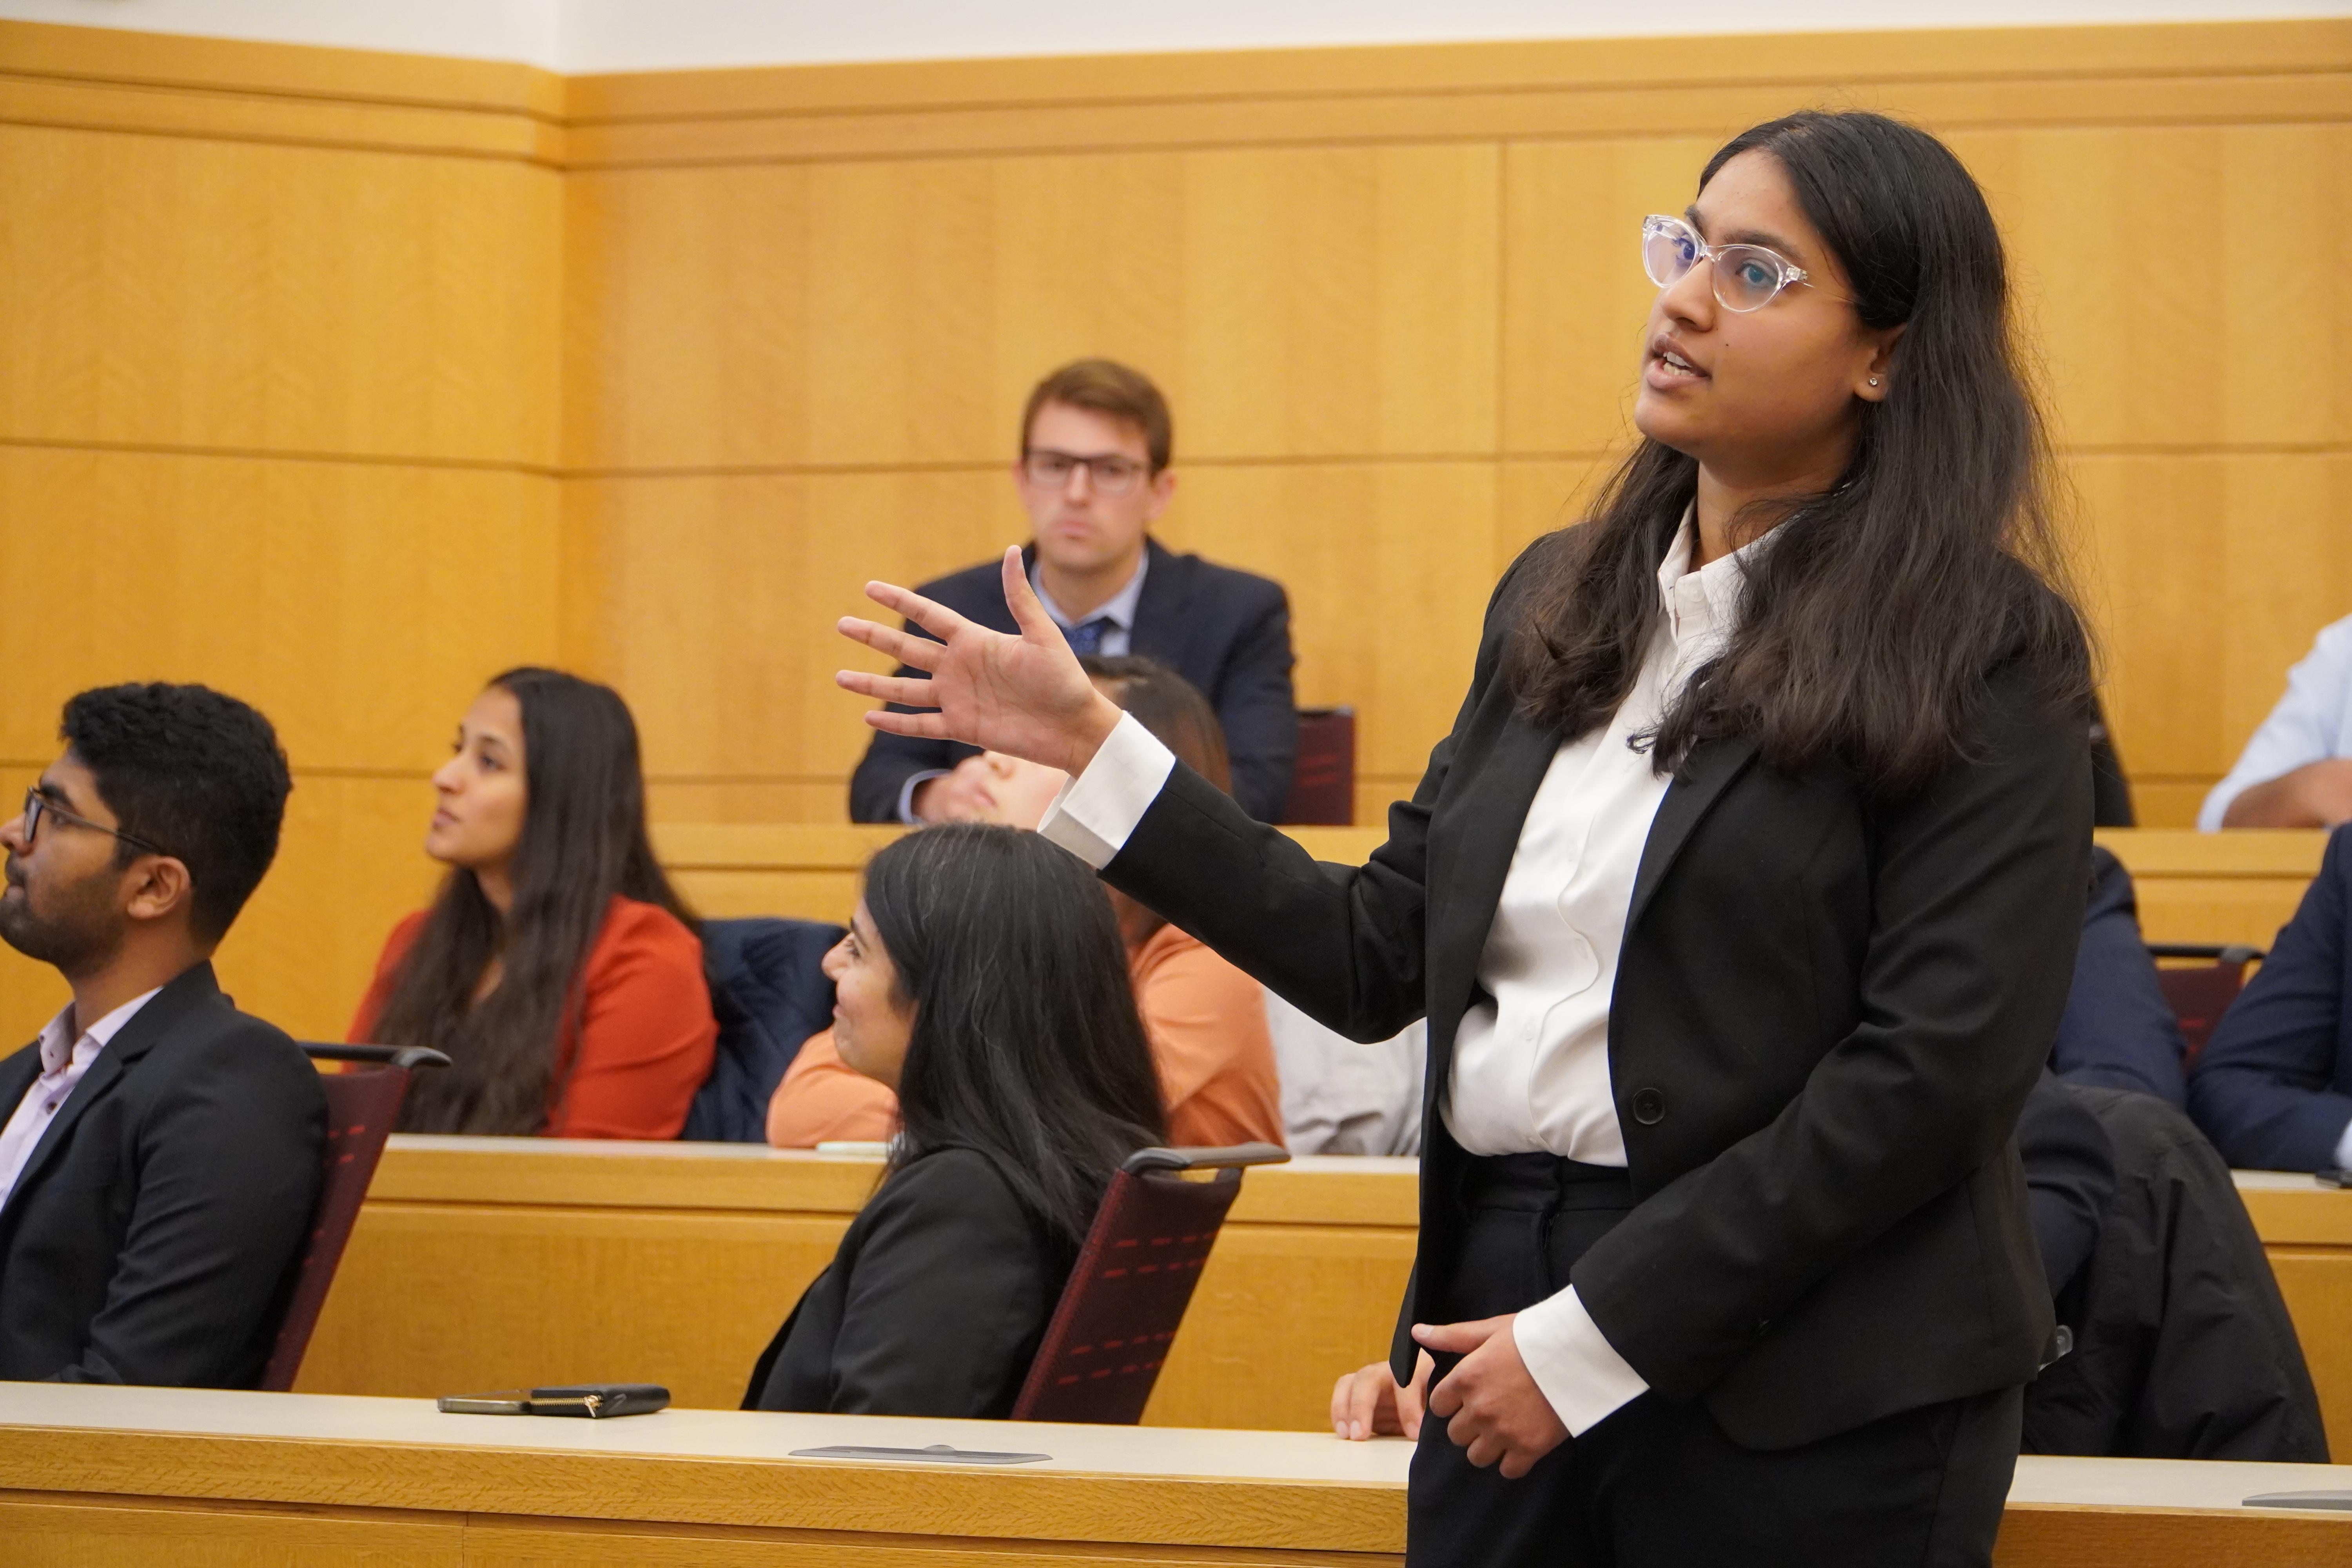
[
  {"x": 2193, "y": 886},
  {"x": 97, "y": 1476},
  {"x": 488, "y": 1262}
]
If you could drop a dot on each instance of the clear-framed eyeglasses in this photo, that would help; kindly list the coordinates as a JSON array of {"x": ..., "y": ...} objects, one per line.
[
  {"x": 1747, "y": 276},
  {"x": 1109, "y": 475}
]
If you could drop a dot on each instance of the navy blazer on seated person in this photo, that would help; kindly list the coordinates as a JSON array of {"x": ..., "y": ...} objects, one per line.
[
  {"x": 1227, "y": 632},
  {"x": 2118, "y": 1032},
  {"x": 151, "y": 1236},
  {"x": 2272, "y": 1087}
]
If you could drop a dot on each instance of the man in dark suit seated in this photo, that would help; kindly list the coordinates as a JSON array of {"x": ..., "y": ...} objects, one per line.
[
  {"x": 159, "y": 1156},
  {"x": 1092, "y": 473},
  {"x": 2272, "y": 1087},
  {"x": 2119, "y": 1032}
]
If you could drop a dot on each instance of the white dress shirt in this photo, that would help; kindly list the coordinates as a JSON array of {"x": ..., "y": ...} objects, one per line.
[
  {"x": 65, "y": 1060},
  {"x": 2311, "y": 723},
  {"x": 1118, "y": 640},
  {"x": 1531, "y": 1070}
]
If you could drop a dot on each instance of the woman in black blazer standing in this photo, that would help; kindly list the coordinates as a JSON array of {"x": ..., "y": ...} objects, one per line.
[
  {"x": 982, "y": 979},
  {"x": 1742, "y": 903}
]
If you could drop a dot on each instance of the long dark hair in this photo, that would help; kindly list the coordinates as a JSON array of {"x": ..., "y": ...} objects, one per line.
[
  {"x": 583, "y": 840},
  {"x": 1027, "y": 1045},
  {"x": 1871, "y": 624}
]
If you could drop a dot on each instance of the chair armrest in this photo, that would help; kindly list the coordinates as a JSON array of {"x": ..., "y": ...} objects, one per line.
[
  {"x": 408, "y": 1057},
  {"x": 2235, "y": 952},
  {"x": 1156, "y": 1159}
]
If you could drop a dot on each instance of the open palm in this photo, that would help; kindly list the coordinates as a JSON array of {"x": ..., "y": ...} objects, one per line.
[{"x": 1024, "y": 696}]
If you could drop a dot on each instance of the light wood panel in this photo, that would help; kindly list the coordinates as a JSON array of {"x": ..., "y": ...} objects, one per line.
[
  {"x": 361, "y": 606},
  {"x": 676, "y": 1265},
  {"x": 277, "y": 414},
  {"x": 1290, "y": 303},
  {"x": 97, "y": 1532},
  {"x": 1427, "y": 252},
  {"x": 178, "y": 291}
]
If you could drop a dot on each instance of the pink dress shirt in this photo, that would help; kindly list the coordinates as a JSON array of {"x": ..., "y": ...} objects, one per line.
[{"x": 64, "y": 1060}]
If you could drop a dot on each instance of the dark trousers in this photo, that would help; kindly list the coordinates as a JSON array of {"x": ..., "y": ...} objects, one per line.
[{"x": 1658, "y": 1485}]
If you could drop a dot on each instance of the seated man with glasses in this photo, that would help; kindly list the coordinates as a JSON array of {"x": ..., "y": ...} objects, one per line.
[
  {"x": 1093, "y": 475},
  {"x": 160, "y": 1155}
]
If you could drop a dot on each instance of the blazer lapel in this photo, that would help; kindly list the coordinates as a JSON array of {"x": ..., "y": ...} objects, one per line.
[
  {"x": 133, "y": 1040},
  {"x": 1471, "y": 846},
  {"x": 1161, "y": 628},
  {"x": 1711, "y": 768}
]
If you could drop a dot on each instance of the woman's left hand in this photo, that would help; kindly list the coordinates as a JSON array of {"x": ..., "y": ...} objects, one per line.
[{"x": 1490, "y": 1403}]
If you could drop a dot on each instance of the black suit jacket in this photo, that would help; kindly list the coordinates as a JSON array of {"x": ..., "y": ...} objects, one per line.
[
  {"x": 934, "y": 1305},
  {"x": 1828, "y": 1011},
  {"x": 150, "y": 1236},
  {"x": 1227, "y": 632}
]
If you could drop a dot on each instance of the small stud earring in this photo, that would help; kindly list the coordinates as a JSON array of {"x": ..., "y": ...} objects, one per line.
[{"x": 1873, "y": 381}]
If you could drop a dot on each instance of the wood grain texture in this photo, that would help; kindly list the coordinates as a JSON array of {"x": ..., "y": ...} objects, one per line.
[
  {"x": 1070, "y": 1506},
  {"x": 183, "y": 292},
  {"x": 675, "y": 1265},
  {"x": 533, "y": 1544},
  {"x": 44, "y": 1530}
]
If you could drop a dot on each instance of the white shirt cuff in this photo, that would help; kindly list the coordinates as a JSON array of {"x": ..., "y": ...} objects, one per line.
[
  {"x": 2343, "y": 1149},
  {"x": 1095, "y": 812},
  {"x": 907, "y": 795},
  {"x": 1579, "y": 1374}
]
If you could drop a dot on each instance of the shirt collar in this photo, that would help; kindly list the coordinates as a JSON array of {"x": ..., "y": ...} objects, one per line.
[
  {"x": 1120, "y": 609},
  {"x": 57, "y": 1048},
  {"x": 1711, "y": 597}
]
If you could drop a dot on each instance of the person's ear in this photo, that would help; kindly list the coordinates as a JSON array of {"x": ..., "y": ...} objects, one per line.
[
  {"x": 1163, "y": 488},
  {"x": 160, "y": 885},
  {"x": 1877, "y": 377}
]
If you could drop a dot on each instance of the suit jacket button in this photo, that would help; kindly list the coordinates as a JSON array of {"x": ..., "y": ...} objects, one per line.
[{"x": 1649, "y": 1107}]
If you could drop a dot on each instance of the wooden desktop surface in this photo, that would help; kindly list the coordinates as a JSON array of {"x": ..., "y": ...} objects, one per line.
[
  {"x": 489, "y": 1262},
  {"x": 98, "y": 1476}
]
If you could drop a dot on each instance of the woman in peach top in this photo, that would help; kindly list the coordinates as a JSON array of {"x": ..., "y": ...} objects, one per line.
[
  {"x": 1206, "y": 1019},
  {"x": 556, "y": 967}
]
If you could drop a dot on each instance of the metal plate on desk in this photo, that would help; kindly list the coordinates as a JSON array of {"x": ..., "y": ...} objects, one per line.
[
  {"x": 937, "y": 1453},
  {"x": 2334, "y": 1500}
]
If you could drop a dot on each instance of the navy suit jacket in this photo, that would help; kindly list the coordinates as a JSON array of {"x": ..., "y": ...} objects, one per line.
[
  {"x": 2118, "y": 1032},
  {"x": 2273, "y": 1088},
  {"x": 1227, "y": 632},
  {"x": 152, "y": 1235}
]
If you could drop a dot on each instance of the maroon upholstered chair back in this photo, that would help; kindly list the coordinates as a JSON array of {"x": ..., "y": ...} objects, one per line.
[
  {"x": 2200, "y": 994},
  {"x": 1133, "y": 1279},
  {"x": 1323, "y": 784},
  {"x": 362, "y": 1103}
]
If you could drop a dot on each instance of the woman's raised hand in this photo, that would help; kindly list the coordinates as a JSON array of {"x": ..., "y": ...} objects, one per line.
[{"x": 1023, "y": 695}]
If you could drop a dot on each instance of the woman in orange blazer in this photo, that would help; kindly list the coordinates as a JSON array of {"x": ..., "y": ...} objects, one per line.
[
  {"x": 1205, "y": 1018},
  {"x": 557, "y": 968}
]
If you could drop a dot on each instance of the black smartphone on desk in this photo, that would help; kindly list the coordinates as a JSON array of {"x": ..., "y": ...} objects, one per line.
[{"x": 592, "y": 1400}]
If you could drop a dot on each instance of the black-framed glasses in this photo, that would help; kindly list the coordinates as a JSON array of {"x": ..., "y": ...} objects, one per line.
[
  {"x": 1109, "y": 475},
  {"x": 1747, "y": 276},
  {"x": 37, "y": 806}
]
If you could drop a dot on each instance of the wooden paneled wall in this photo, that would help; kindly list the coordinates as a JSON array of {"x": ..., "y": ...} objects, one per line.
[
  {"x": 345, "y": 379},
  {"x": 1393, "y": 297},
  {"x": 277, "y": 413}
]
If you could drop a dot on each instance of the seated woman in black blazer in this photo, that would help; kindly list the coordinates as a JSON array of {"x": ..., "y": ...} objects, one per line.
[{"x": 982, "y": 979}]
